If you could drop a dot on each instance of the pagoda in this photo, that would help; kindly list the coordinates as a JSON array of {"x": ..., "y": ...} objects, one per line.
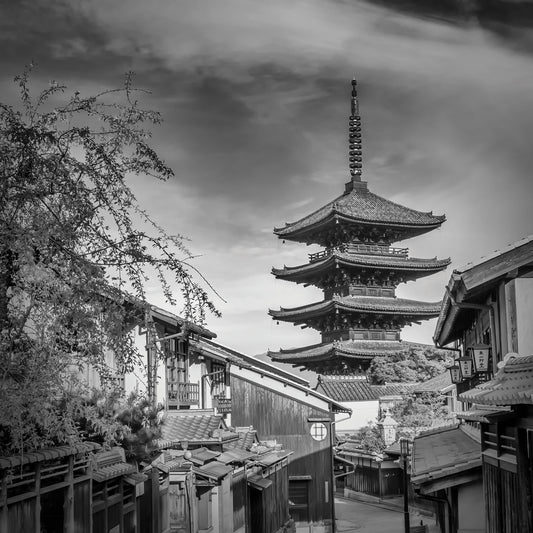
[{"x": 360, "y": 316}]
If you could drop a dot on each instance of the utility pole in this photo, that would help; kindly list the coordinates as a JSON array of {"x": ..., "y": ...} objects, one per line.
[{"x": 404, "y": 449}]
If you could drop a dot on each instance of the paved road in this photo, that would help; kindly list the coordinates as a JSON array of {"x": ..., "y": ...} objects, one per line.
[
  {"x": 360, "y": 517},
  {"x": 366, "y": 518}
]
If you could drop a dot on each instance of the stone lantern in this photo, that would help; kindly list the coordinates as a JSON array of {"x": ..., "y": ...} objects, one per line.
[{"x": 387, "y": 428}]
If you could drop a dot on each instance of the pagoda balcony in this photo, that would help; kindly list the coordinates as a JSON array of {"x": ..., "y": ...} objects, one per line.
[
  {"x": 183, "y": 394},
  {"x": 359, "y": 248}
]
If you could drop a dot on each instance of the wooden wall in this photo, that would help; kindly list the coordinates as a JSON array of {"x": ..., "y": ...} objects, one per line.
[{"x": 275, "y": 415}]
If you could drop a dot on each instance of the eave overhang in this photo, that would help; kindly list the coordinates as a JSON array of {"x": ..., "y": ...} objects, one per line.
[
  {"x": 472, "y": 285},
  {"x": 416, "y": 267},
  {"x": 359, "y": 304},
  {"x": 512, "y": 385},
  {"x": 445, "y": 457},
  {"x": 361, "y": 207}
]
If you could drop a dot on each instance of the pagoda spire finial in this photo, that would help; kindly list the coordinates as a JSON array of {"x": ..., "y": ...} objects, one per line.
[{"x": 355, "y": 137}]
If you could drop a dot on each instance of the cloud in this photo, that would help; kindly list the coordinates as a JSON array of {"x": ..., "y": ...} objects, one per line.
[{"x": 255, "y": 101}]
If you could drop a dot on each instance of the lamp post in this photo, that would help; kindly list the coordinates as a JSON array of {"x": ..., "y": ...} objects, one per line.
[
  {"x": 404, "y": 450},
  {"x": 455, "y": 373},
  {"x": 481, "y": 354},
  {"x": 466, "y": 364}
]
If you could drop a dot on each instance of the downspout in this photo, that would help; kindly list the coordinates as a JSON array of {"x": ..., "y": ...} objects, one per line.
[
  {"x": 332, "y": 423},
  {"x": 439, "y": 499}
]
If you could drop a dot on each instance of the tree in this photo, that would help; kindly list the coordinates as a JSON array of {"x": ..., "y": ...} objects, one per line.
[
  {"x": 417, "y": 363},
  {"x": 75, "y": 250},
  {"x": 417, "y": 413},
  {"x": 371, "y": 439}
]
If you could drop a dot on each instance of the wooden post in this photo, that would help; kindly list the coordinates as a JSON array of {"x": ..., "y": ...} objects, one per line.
[
  {"x": 155, "y": 501},
  {"x": 37, "y": 482},
  {"x": 3, "y": 504},
  {"x": 69, "y": 497}
]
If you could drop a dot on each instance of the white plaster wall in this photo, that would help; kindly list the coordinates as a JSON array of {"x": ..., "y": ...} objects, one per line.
[
  {"x": 524, "y": 315},
  {"x": 471, "y": 508},
  {"x": 362, "y": 414}
]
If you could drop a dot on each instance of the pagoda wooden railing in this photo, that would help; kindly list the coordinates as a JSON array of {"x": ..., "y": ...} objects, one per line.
[
  {"x": 183, "y": 394},
  {"x": 368, "y": 249}
]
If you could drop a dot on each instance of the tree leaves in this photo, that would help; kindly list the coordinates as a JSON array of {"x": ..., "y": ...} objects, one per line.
[{"x": 76, "y": 250}]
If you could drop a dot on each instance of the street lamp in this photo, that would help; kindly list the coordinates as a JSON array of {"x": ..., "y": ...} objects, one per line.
[
  {"x": 455, "y": 373},
  {"x": 481, "y": 357},
  {"x": 404, "y": 450},
  {"x": 466, "y": 365}
]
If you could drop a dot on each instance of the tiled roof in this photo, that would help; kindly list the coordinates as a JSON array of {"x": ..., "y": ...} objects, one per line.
[
  {"x": 193, "y": 428},
  {"x": 360, "y": 350},
  {"x": 481, "y": 414},
  {"x": 443, "y": 452},
  {"x": 437, "y": 384},
  {"x": 167, "y": 316},
  {"x": 234, "y": 455},
  {"x": 247, "y": 437},
  {"x": 213, "y": 470},
  {"x": 48, "y": 454},
  {"x": 361, "y": 205},
  {"x": 203, "y": 455},
  {"x": 363, "y": 304},
  {"x": 112, "y": 471},
  {"x": 384, "y": 262},
  {"x": 512, "y": 385},
  {"x": 273, "y": 457},
  {"x": 346, "y": 389}
]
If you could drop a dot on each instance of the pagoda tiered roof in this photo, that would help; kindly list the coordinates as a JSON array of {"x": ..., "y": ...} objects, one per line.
[
  {"x": 410, "y": 267},
  {"x": 363, "y": 208},
  {"x": 337, "y": 355},
  {"x": 359, "y": 304}
]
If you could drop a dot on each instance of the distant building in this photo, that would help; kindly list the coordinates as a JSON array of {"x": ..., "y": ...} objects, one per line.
[
  {"x": 367, "y": 402},
  {"x": 360, "y": 316}
]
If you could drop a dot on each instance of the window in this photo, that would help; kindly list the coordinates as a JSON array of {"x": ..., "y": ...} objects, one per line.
[
  {"x": 318, "y": 431},
  {"x": 299, "y": 500}
]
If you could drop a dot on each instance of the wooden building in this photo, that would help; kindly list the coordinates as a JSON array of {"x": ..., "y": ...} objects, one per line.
[
  {"x": 485, "y": 316},
  {"x": 78, "y": 489},
  {"x": 360, "y": 316},
  {"x": 283, "y": 409}
]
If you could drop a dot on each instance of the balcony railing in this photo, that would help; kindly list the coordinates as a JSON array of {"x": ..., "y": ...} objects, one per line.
[
  {"x": 222, "y": 405},
  {"x": 366, "y": 249},
  {"x": 183, "y": 394}
]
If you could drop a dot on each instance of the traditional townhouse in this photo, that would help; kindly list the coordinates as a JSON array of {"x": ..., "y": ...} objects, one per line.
[{"x": 482, "y": 477}]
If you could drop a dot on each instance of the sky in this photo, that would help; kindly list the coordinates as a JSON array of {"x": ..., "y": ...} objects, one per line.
[{"x": 255, "y": 98}]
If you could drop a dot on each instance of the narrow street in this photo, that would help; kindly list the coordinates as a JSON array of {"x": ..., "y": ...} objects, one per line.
[{"x": 365, "y": 517}]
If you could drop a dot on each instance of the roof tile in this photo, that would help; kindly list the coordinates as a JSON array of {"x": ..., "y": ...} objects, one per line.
[
  {"x": 512, "y": 385},
  {"x": 361, "y": 205},
  {"x": 443, "y": 452},
  {"x": 347, "y": 389}
]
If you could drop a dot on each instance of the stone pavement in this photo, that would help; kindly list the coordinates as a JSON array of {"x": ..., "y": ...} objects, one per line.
[{"x": 365, "y": 517}]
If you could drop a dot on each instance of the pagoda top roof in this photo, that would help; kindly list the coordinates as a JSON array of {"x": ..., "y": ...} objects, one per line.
[
  {"x": 363, "y": 304},
  {"x": 387, "y": 262},
  {"x": 364, "y": 207},
  {"x": 333, "y": 354}
]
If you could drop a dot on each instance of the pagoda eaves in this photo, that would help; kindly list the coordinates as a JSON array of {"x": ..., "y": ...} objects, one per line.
[
  {"x": 338, "y": 356},
  {"x": 397, "y": 268},
  {"x": 358, "y": 215},
  {"x": 396, "y": 307}
]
